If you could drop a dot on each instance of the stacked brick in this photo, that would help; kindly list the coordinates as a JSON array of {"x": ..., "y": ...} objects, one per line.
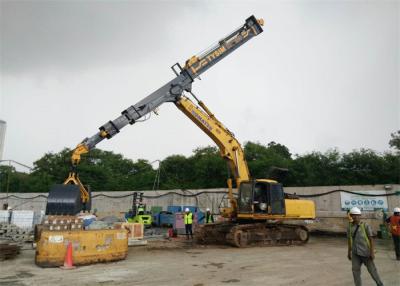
[{"x": 57, "y": 223}]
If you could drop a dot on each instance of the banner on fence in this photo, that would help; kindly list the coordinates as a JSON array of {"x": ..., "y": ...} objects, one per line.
[{"x": 368, "y": 203}]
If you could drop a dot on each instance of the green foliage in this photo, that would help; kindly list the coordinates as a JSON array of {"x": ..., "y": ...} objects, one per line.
[
  {"x": 395, "y": 140},
  {"x": 174, "y": 174},
  {"x": 315, "y": 169},
  {"x": 101, "y": 170},
  {"x": 204, "y": 169},
  {"x": 364, "y": 166},
  {"x": 209, "y": 169},
  {"x": 261, "y": 158},
  {"x": 107, "y": 171},
  {"x": 10, "y": 179}
]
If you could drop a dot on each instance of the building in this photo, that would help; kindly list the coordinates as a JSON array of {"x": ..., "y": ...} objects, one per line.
[{"x": 3, "y": 126}]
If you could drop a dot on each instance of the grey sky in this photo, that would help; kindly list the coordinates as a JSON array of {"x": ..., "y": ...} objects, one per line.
[{"x": 322, "y": 75}]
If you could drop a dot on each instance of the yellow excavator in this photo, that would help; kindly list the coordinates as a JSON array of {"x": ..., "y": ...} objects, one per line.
[{"x": 258, "y": 207}]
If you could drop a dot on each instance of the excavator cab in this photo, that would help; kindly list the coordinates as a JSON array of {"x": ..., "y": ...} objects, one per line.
[{"x": 261, "y": 197}]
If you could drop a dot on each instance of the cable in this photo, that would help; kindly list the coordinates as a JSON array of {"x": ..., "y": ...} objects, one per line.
[
  {"x": 162, "y": 195},
  {"x": 397, "y": 193},
  {"x": 15, "y": 162},
  {"x": 22, "y": 198}
]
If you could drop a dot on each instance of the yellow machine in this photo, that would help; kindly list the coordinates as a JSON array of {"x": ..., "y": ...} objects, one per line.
[
  {"x": 71, "y": 197},
  {"x": 260, "y": 203},
  {"x": 258, "y": 207},
  {"x": 89, "y": 246}
]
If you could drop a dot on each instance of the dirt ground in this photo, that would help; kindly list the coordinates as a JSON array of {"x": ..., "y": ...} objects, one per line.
[{"x": 320, "y": 262}]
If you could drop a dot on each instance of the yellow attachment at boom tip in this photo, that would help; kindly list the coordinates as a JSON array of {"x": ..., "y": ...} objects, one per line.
[
  {"x": 191, "y": 61},
  {"x": 74, "y": 180},
  {"x": 78, "y": 151}
]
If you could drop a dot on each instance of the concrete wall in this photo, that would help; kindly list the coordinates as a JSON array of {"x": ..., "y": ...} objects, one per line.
[{"x": 330, "y": 217}]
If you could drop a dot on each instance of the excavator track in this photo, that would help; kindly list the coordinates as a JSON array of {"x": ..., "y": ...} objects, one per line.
[{"x": 253, "y": 234}]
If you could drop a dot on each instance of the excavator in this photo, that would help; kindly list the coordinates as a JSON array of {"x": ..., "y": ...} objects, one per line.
[{"x": 257, "y": 208}]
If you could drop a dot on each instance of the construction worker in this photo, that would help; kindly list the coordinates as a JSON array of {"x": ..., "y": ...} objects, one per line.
[
  {"x": 9, "y": 209},
  {"x": 361, "y": 248},
  {"x": 188, "y": 219},
  {"x": 394, "y": 225},
  {"x": 209, "y": 216}
]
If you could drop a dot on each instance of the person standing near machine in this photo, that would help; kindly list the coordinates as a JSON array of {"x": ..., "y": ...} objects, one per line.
[
  {"x": 209, "y": 217},
  {"x": 394, "y": 225},
  {"x": 188, "y": 219},
  {"x": 361, "y": 248}
]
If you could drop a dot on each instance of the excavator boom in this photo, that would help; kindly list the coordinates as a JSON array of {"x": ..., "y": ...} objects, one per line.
[
  {"x": 173, "y": 90},
  {"x": 60, "y": 197},
  {"x": 257, "y": 213},
  {"x": 230, "y": 148}
]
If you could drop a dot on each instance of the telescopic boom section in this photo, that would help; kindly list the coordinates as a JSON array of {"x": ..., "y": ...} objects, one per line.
[
  {"x": 196, "y": 65},
  {"x": 173, "y": 90},
  {"x": 72, "y": 196}
]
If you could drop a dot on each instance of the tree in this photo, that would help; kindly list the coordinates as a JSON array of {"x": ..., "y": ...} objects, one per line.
[
  {"x": 176, "y": 173},
  {"x": 280, "y": 149},
  {"x": 141, "y": 176},
  {"x": 209, "y": 169},
  {"x": 12, "y": 181},
  {"x": 107, "y": 171},
  {"x": 101, "y": 170},
  {"x": 261, "y": 158},
  {"x": 315, "y": 169},
  {"x": 395, "y": 140},
  {"x": 391, "y": 168},
  {"x": 363, "y": 167}
]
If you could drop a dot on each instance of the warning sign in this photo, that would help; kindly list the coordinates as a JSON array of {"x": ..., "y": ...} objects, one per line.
[{"x": 364, "y": 202}]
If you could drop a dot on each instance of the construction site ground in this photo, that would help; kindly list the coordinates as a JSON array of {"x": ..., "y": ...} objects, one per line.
[{"x": 322, "y": 261}]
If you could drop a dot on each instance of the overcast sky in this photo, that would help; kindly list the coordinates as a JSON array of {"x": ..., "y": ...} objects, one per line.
[{"x": 322, "y": 75}]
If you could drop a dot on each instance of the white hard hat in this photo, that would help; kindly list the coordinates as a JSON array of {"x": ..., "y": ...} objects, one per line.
[
  {"x": 355, "y": 210},
  {"x": 396, "y": 210},
  {"x": 9, "y": 208},
  {"x": 207, "y": 210},
  {"x": 187, "y": 209}
]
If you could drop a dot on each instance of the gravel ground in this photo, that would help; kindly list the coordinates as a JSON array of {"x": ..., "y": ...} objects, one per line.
[{"x": 320, "y": 262}]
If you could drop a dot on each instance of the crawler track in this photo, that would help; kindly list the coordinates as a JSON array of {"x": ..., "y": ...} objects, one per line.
[{"x": 254, "y": 234}]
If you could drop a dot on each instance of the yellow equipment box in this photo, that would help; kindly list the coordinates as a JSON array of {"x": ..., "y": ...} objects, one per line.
[{"x": 88, "y": 246}]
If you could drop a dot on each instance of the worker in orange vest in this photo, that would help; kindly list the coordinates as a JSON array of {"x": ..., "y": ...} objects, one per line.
[{"x": 394, "y": 225}]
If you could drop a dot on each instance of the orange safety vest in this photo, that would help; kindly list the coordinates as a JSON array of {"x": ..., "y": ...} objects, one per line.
[{"x": 395, "y": 225}]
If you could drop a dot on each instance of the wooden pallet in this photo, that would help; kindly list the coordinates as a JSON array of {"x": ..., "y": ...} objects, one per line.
[{"x": 8, "y": 251}]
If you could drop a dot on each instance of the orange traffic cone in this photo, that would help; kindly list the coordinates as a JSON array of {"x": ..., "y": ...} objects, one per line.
[{"x": 68, "y": 264}]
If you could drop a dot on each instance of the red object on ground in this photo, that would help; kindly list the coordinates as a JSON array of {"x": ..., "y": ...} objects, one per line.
[
  {"x": 170, "y": 232},
  {"x": 68, "y": 264}
]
